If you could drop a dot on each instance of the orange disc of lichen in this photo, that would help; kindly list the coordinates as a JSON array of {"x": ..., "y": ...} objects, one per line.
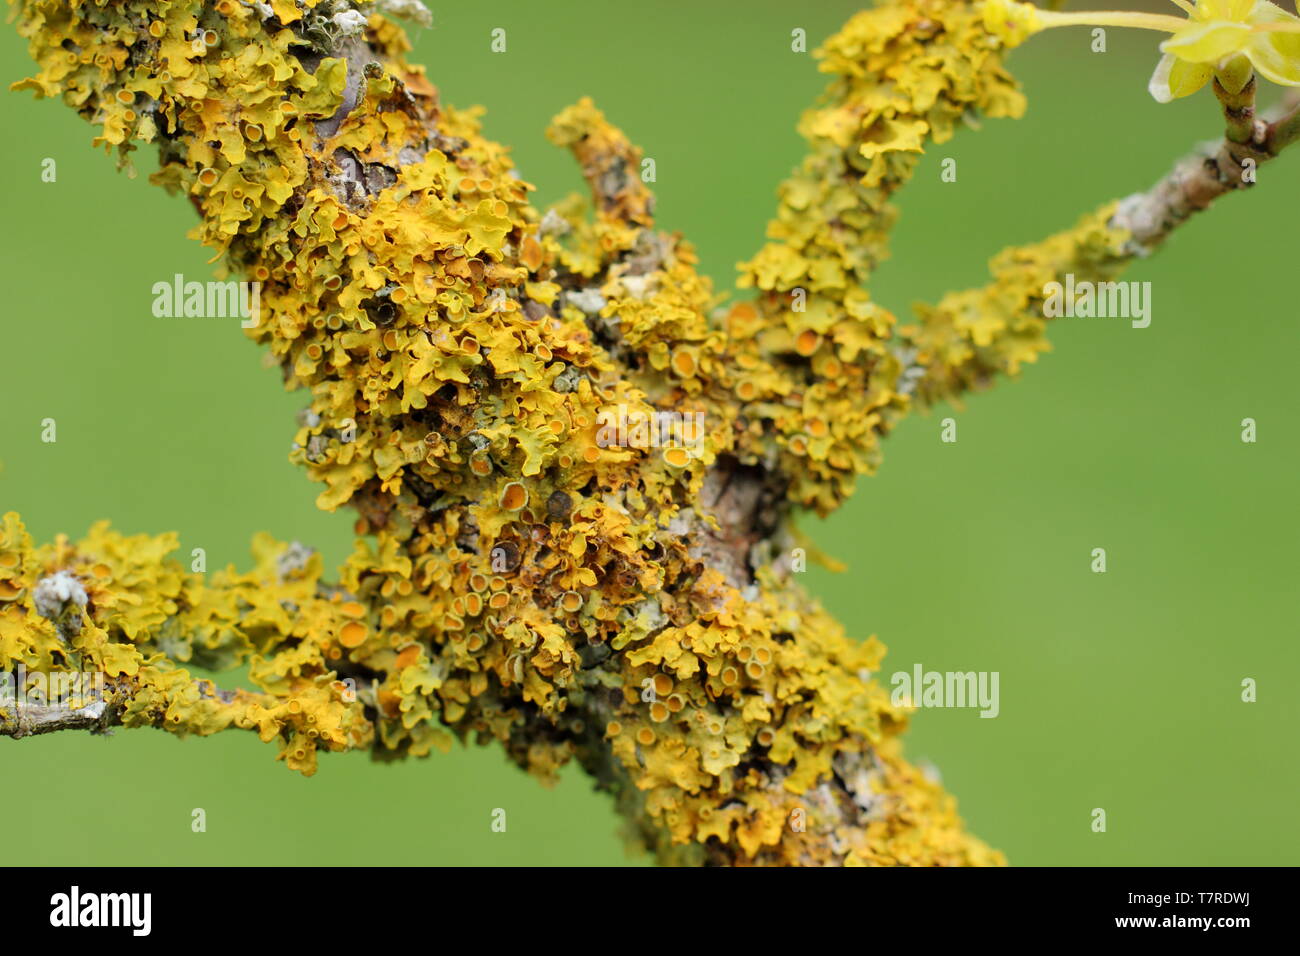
[
  {"x": 677, "y": 457},
  {"x": 807, "y": 342},
  {"x": 513, "y": 496},
  {"x": 531, "y": 254},
  {"x": 684, "y": 363},
  {"x": 353, "y": 634}
]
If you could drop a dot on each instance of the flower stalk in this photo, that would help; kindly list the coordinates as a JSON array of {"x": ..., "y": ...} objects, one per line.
[{"x": 1215, "y": 33}]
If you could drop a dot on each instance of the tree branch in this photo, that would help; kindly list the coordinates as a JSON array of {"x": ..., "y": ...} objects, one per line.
[
  {"x": 575, "y": 491},
  {"x": 1210, "y": 172},
  {"x": 19, "y": 719},
  {"x": 815, "y": 358},
  {"x": 94, "y": 635},
  {"x": 973, "y": 336}
]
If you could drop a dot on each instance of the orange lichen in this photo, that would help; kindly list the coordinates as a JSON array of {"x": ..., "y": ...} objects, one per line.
[
  {"x": 513, "y": 496},
  {"x": 517, "y": 576},
  {"x": 353, "y": 634}
]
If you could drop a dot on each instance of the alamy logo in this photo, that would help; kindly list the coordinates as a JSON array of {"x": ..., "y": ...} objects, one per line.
[
  {"x": 1100, "y": 300},
  {"x": 622, "y": 427},
  {"x": 70, "y": 689},
  {"x": 179, "y": 299},
  {"x": 922, "y": 688},
  {"x": 102, "y": 909}
]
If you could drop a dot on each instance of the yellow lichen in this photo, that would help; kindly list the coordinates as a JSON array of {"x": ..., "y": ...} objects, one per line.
[{"x": 487, "y": 384}]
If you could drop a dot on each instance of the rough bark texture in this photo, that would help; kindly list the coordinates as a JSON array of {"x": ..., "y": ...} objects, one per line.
[{"x": 575, "y": 482}]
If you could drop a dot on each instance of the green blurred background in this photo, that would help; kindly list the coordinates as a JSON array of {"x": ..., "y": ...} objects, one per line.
[{"x": 1119, "y": 691}]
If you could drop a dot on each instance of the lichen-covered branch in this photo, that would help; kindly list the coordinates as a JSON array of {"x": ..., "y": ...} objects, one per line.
[
  {"x": 574, "y": 476},
  {"x": 534, "y": 567},
  {"x": 969, "y": 338},
  {"x": 121, "y": 610},
  {"x": 1212, "y": 171},
  {"x": 819, "y": 362}
]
